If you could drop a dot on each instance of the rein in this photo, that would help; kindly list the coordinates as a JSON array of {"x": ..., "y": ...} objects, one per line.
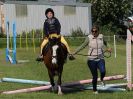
[{"x": 104, "y": 54}]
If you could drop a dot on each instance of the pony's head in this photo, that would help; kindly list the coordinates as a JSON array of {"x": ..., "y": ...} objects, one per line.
[{"x": 54, "y": 43}]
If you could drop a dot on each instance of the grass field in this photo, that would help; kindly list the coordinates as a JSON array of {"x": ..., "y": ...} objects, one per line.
[{"x": 73, "y": 71}]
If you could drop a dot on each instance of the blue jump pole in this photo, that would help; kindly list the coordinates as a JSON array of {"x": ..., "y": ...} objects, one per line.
[
  {"x": 14, "y": 43},
  {"x": 14, "y": 80}
]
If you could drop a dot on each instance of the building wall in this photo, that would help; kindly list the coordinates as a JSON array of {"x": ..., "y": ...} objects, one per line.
[
  {"x": 36, "y": 17},
  {"x": 2, "y": 19}
]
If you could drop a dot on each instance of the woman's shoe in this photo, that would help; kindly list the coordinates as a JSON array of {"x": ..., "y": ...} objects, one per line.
[
  {"x": 95, "y": 92},
  {"x": 102, "y": 83}
]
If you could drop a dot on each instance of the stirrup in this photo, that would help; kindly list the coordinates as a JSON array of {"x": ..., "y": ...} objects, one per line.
[{"x": 39, "y": 59}]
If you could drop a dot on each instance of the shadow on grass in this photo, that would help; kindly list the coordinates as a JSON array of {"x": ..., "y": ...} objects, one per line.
[{"x": 79, "y": 88}]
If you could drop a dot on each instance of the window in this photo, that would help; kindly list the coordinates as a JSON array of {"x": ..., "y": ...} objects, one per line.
[
  {"x": 21, "y": 10},
  {"x": 69, "y": 10}
]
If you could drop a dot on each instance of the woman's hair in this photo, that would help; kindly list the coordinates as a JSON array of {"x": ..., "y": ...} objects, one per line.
[{"x": 95, "y": 27}]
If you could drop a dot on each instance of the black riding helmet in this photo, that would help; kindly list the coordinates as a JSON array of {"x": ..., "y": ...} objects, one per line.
[{"x": 49, "y": 10}]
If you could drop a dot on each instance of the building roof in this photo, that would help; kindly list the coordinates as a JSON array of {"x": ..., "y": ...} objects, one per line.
[{"x": 49, "y": 3}]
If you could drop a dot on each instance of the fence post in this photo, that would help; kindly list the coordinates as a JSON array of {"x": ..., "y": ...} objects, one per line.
[
  {"x": 20, "y": 40},
  {"x": 26, "y": 41},
  {"x": 115, "y": 45},
  {"x": 33, "y": 33}
]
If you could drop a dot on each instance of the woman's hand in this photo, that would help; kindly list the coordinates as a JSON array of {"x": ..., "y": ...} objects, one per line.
[
  {"x": 74, "y": 53},
  {"x": 109, "y": 50}
]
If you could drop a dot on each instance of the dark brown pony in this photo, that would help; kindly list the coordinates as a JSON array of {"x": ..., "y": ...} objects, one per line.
[{"x": 55, "y": 55}]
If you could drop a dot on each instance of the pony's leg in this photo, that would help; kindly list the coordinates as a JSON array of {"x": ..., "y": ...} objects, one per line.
[
  {"x": 59, "y": 82},
  {"x": 51, "y": 79},
  {"x": 59, "y": 90}
]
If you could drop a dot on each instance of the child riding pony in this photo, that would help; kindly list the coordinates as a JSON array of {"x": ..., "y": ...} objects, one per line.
[{"x": 52, "y": 29}]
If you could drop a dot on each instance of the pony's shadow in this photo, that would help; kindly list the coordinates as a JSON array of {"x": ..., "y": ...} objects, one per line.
[
  {"x": 67, "y": 90},
  {"x": 78, "y": 88}
]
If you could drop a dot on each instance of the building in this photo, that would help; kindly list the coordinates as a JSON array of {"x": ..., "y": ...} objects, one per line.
[
  {"x": 31, "y": 14},
  {"x": 2, "y": 25}
]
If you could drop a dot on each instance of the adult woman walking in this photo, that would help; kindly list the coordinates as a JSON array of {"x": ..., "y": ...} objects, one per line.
[{"x": 95, "y": 55}]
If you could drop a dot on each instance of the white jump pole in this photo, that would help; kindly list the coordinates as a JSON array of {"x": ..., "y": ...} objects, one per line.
[
  {"x": 7, "y": 33},
  {"x": 128, "y": 60},
  {"x": 115, "y": 46}
]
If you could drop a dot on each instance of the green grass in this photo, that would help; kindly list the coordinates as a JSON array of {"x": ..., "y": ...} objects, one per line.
[{"x": 73, "y": 71}]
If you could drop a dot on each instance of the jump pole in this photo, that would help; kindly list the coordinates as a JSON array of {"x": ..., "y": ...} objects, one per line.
[
  {"x": 128, "y": 60},
  {"x": 7, "y": 40},
  {"x": 14, "y": 80},
  {"x": 28, "y": 90},
  {"x": 41, "y": 88},
  {"x": 12, "y": 58},
  {"x": 14, "y": 42},
  {"x": 24, "y": 81},
  {"x": 116, "y": 77},
  {"x": 65, "y": 85}
]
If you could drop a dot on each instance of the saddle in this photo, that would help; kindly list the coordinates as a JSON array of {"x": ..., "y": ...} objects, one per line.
[
  {"x": 52, "y": 36},
  {"x": 46, "y": 47}
]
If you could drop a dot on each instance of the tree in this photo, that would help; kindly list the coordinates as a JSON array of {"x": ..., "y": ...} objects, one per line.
[
  {"x": 111, "y": 14},
  {"x": 110, "y": 11}
]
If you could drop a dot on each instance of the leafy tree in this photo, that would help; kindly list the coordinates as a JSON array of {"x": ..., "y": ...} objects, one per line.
[{"x": 110, "y": 11}]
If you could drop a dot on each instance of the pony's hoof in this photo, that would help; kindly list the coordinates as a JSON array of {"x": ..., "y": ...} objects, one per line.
[
  {"x": 54, "y": 89},
  {"x": 60, "y": 93}
]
